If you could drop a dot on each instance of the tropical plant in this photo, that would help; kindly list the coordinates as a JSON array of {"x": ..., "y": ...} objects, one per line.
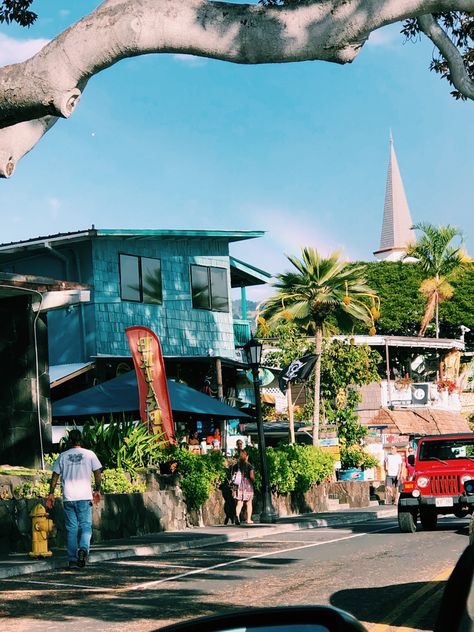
[
  {"x": 319, "y": 289},
  {"x": 439, "y": 260},
  {"x": 126, "y": 445}
]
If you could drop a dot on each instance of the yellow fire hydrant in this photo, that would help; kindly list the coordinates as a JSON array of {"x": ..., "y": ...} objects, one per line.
[{"x": 41, "y": 527}]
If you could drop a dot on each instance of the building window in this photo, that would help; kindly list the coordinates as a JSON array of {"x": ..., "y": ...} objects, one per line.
[
  {"x": 140, "y": 279},
  {"x": 209, "y": 288}
]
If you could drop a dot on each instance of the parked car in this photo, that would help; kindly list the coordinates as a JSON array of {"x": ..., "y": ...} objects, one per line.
[{"x": 443, "y": 464}]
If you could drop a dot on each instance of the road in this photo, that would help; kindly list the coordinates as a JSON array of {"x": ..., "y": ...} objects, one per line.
[{"x": 390, "y": 581}]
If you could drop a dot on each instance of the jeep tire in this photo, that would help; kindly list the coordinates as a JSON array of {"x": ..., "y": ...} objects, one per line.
[
  {"x": 406, "y": 521},
  {"x": 429, "y": 519}
]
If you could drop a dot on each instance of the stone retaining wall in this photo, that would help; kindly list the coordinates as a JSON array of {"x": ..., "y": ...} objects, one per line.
[{"x": 162, "y": 508}]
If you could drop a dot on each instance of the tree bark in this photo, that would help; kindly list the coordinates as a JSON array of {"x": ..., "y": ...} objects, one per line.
[
  {"x": 317, "y": 384},
  {"x": 50, "y": 84}
]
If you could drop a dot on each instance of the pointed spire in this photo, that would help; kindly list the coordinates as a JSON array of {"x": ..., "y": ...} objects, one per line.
[{"x": 397, "y": 231}]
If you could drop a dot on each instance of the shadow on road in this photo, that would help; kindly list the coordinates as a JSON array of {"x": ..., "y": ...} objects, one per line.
[{"x": 394, "y": 605}]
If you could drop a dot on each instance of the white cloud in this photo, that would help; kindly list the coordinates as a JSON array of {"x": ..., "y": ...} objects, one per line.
[
  {"x": 13, "y": 50},
  {"x": 386, "y": 36},
  {"x": 190, "y": 60},
  {"x": 64, "y": 13}
]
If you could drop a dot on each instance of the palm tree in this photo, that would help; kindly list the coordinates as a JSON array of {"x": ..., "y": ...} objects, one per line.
[
  {"x": 440, "y": 260},
  {"x": 321, "y": 288}
]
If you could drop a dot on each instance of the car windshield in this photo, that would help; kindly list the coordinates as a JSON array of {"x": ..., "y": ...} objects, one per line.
[{"x": 447, "y": 450}]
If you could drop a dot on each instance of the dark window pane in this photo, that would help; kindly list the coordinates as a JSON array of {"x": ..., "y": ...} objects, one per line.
[
  {"x": 220, "y": 299},
  {"x": 129, "y": 278},
  {"x": 151, "y": 280},
  {"x": 200, "y": 287}
]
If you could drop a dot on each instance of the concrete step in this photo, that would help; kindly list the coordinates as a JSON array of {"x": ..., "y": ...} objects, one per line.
[{"x": 335, "y": 505}]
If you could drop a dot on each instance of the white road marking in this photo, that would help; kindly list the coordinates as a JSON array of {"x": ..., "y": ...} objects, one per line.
[
  {"x": 152, "y": 564},
  {"x": 29, "y": 581},
  {"x": 198, "y": 571}
]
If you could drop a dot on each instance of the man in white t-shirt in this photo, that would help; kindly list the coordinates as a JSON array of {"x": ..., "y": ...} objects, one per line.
[
  {"x": 393, "y": 468},
  {"x": 75, "y": 467}
]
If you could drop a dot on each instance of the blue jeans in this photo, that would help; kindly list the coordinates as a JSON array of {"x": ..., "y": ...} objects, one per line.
[{"x": 78, "y": 520}]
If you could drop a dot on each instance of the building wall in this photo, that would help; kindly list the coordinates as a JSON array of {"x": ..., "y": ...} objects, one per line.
[
  {"x": 79, "y": 332},
  {"x": 183, "y": 331},
  {"x": 19, "y": 425}
]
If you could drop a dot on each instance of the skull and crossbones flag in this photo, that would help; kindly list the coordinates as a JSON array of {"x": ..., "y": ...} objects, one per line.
[{"x": 299, "y": 369}]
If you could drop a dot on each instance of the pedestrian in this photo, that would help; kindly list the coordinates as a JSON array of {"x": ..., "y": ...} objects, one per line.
[
  {"x": 410, "y": 463},
  {"x": 75, "y": 467},
  {"x": 243, "y": 477},
  {"x": 393, "y": 468},
  {"x": 239, "y": 446}
]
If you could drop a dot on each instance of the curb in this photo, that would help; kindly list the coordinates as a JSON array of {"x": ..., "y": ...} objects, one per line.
[{"x": 120, "y": 551}]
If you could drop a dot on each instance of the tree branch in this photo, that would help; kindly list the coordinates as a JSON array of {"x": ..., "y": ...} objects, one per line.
[
  {"x": 459, "y": 77},
  {"x": 17, "y": 140},
  {"x": 50, "y": 83}
]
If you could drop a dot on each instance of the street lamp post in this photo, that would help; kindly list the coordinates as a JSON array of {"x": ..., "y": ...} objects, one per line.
[{"x": 253, "y": 352}]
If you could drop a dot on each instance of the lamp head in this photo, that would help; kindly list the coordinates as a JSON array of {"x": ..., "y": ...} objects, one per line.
[{"x": 253, "y": 352}]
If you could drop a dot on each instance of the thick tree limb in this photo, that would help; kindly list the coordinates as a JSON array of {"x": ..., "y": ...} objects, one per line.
[
  {"x": 50, "y": 83},
  {"x": 17, "y": 140},
  {"x": 459, "y": 77}
]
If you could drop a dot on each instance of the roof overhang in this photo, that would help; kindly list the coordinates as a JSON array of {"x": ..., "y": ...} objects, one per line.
[
  {"x": 225, "y": 362},
  {"x": 92, "y": 233},
  {"x": 46, "y": 293},
  {"x": 413, "y": 342},
  {"x": 243, "y": 274},
  {"x": 60, "y": 373}
]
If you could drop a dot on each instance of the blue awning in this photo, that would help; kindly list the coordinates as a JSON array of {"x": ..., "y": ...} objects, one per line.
[{"x": 121, "y": 395}]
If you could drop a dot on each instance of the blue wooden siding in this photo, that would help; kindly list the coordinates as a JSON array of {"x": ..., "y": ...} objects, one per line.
[{"x": 182, "y": 330}]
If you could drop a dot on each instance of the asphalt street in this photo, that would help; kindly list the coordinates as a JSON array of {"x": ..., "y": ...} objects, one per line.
[{"x": 389, "y": 580}]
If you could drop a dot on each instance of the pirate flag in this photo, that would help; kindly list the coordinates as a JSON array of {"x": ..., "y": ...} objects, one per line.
[{"x": 299, "y": 369}]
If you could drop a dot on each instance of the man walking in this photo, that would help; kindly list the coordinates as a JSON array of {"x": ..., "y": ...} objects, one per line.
[
  {"x": 393, "y": 467},
  {"x": 75, "y": 467}
]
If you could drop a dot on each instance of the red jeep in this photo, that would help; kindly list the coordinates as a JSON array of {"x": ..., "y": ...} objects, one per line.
[{"x": 443, "y": 464}]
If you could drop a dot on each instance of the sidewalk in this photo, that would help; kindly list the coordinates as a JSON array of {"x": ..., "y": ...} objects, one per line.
[{"x": 166, "y": 541}]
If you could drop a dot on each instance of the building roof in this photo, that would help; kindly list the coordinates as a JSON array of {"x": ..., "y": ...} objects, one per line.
[
  {"x": 420, "y": 421},
  {"x": 94, "y": 233},
  {"x": 397, "y": 224},
  {"x": 244, "y": 274}
]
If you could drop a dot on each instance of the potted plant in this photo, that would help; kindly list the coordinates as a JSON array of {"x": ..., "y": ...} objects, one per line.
[{"x": 354, "y": 461}]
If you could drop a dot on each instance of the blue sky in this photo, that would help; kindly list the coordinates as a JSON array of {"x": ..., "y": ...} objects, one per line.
[{"x": 298, "y": 150}]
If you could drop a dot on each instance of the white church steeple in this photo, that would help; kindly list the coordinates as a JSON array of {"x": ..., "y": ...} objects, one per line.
[{"x": 397, "y": 231}]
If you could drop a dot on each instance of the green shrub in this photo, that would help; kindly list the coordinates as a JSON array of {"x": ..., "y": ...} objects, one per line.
[
  {"x": 280, "y": 471},
  {"x": 118, "y": 482},
  {"x": 199, "y": 473},
  {"x": 293, "y": 467},
  {"x": 35, "y": 489}
]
